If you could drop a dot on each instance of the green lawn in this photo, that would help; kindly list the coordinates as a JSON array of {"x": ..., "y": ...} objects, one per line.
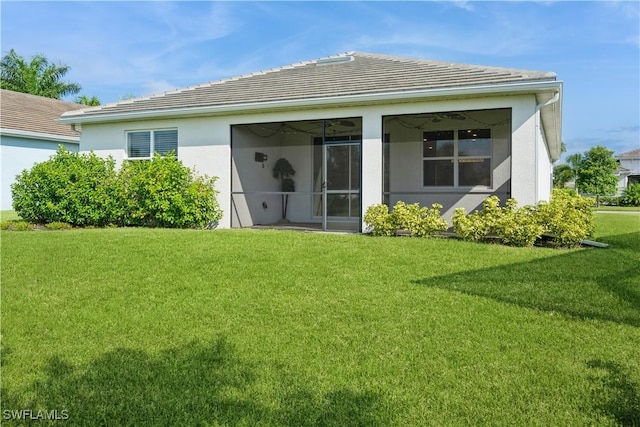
[
  {"x": 240, "y": 327},
  {"x": 9, "y": 215}
]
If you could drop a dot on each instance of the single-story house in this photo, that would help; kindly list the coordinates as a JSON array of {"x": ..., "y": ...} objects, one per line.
[
  {"x": 29, "y": 134},
  {"x": 629, "y": 170},
  {"x": 357, "y": 128}
]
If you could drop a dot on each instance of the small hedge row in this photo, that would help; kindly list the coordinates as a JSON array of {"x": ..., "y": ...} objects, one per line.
[
  {"x": 630, "y": 197},
  {"x": 566, "y": 220},
  {"x": 87, "y": 190},
  {"x": 417, "y": 221}
]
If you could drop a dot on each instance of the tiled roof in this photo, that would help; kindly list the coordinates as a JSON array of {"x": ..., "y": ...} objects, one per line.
[
  {"x": 30, "y": 113},
  {"x": 353, "y": 73},
  {"x": 630, "y": 154}
]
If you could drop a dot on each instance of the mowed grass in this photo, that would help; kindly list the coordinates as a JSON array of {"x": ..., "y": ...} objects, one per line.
[
  {"x": 242, "y": 327},
  {"x": 9, "y": 215}
]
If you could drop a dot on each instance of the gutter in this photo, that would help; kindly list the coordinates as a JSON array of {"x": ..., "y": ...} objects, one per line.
[
  {"x": 553, "y": 100},
  {"x": 368, "y": 98},
  {"x": 39, "y": 135}
]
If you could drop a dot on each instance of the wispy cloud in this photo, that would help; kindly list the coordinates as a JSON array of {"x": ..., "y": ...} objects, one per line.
[{"x": 486, "y": 32}]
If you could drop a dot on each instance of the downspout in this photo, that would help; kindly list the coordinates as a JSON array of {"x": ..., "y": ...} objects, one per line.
[{"x": 539, "y": 107}]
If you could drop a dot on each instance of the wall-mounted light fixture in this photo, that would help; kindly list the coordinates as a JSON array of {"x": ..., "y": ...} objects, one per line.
[{"x": 260, "y": 157}]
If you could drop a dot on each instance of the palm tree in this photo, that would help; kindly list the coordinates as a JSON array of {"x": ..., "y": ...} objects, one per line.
[
  {"x": 574, "y": 162},
  {"x": 37, "y": 77},
  {"x": 84, "y": 99},
  {"x": 562, "y": 174}
]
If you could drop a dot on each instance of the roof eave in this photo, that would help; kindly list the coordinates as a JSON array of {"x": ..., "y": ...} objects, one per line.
[
  {"x": 39, "y": 135},
  {"x": 551, "y": 117},
  {"x": 250, "y": 107}
]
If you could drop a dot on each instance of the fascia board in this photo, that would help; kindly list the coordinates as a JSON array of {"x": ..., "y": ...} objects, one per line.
[
  {"x": 369, "y": 98},
  {"x": 39, "y": 135}
]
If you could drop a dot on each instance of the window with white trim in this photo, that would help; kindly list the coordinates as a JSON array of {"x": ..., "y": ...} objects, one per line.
[
  {"x": 142, "y": 144},
  {"x": 459, "y": 158}
]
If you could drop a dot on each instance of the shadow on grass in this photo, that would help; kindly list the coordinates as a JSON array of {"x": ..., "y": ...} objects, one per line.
[
  {"x": 592, "y": 283},
  {"x": 615, "y": 395},
  {"x": 191, "y": 385}
]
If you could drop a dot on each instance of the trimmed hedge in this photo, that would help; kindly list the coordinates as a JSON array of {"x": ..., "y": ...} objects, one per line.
[
  {"x": 86, "y": 190},
  {"x": 418, "y": 221},
  {"x": 566, "y": 220}
]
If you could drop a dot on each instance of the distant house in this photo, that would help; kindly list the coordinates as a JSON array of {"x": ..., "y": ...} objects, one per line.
[
  {"x": 358, "y": 128},
  {"x": 30, "y": 134},
  {"x": 629, "y": 170}
]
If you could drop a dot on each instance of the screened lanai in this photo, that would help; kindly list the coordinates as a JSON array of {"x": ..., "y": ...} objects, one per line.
[
  {"x": 323, "y": 193},
  {"x": 453, "y": 158}
]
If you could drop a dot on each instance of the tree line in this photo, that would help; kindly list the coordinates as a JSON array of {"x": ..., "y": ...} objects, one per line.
[{"x": 594, "y": 174}]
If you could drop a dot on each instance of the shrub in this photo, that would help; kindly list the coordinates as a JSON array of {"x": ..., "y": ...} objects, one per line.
[
  {"x": 380, "y": 220},
  {"x": 85, "y": 190},
  {"x": 16, "y": 226},
  {"x": 631, "y": 195},
  {"x": 567, "y": 218},
  {"x": 421, "y": 222},
  {"x": 610, "y": 200},
  {"x": 480, "y": 224},
  {"x": 58, "y": 226},
  {"x": 162, "y": 192},
  {"x": 518, "y": 226},
  {"x": 75, "y": 188}
]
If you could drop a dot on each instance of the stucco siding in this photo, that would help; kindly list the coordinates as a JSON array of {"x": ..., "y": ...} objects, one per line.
[
  {"x": 524, "y": 151},
  {"x": 19, "y": 154}
]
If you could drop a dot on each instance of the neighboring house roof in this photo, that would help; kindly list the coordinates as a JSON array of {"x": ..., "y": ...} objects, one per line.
[
  {"x": 633, "y": 154},
  {"x": 26, "y": 115}
]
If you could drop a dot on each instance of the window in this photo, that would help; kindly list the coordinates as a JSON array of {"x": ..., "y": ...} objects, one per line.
[
  {"x": 142, "y": 144},
  {"x": 457, "y": 158}
]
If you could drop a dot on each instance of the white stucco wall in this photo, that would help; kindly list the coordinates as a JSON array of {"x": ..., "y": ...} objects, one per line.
[
  {"x": 204, "y": 144},
  {"x": 18, "y": 154}
]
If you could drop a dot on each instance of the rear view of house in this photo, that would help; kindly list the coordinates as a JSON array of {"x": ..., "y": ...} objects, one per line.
[{"x": 357, "y": 128}]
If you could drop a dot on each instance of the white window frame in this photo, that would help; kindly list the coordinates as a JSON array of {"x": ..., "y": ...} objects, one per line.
[
  {"x": 152, "y": 142},
  {"x": 455, "y": 159}
]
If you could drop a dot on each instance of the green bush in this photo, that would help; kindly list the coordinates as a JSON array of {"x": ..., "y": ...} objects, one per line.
[
  {"x": 58, "y": 226},
  {"x": 420, "y": 222},
  {"x": 380, "y": 220},
  {"x": 162, "y": 192},
  {"x": 567, "y": 218},
  {"x": 631, "y": 195},
  {"x": 610, "y": 200},
  {"x": 16, "y": 226},
  {"x": 85, "y": 190},
  {"x": 75, "y": 188},
  {"x": 518, "y": 226},
  {"x": 479, "y": 224}
]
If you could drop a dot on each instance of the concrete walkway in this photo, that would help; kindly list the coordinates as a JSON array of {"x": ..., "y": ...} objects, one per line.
[{"x": 620, "y": 212}]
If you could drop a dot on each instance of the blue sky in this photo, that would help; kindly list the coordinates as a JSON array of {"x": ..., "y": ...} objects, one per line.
[{"x": 119, "y": 48}]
